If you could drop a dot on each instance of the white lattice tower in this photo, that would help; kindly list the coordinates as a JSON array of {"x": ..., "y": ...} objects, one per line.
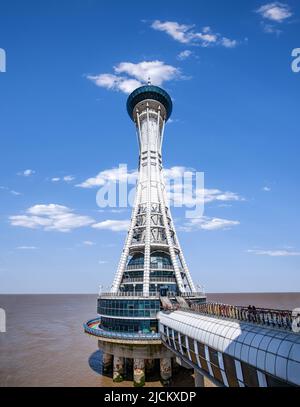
[{"x": 151, "y": 227}]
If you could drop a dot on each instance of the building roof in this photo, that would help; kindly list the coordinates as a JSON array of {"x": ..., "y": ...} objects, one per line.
[{"x": 149, "y": 92}]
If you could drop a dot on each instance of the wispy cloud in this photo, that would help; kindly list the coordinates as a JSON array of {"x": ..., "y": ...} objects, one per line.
[
  {"x": 88, "y": 243},
  {"x": 184, "y": 55},
  {"x": 174, "y": 185},
  {"x": 174, "y": 188},
  {"x": 267, "y": 189},
  {"x": 113, "y": 225},
  {"x": 16, "y": 193},
  {"x": 207, "y": 223},
  {"x": 11, "y": 191},
  {"x": 110, "y": 175},
  {"x": 66, "y": 178},
  {"x": 51, "y": 217},
  {"x": 272, "y": 15},
  {"x": 26, "y": 173},
  {"x": 128, "y": 76},
  {"x": 186, "y": 34},
  {"x": 102, "y": 261},
  {"x": 275, "y": 11},
  {"x": 274, "y": 253},
  {"x": 26, "y": 248}
]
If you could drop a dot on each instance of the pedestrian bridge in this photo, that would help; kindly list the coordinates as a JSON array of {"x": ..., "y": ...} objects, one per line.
[{"x": 232, "y": 352}]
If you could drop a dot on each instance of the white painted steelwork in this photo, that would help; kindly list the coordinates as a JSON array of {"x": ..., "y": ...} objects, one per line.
[{"x": 151, "y": 226}]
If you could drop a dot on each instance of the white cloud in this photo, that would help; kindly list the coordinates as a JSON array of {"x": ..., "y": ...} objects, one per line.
[
  {"x": 66, "y": 178},
  {"x": 274, "y": 253},
  {"x": 88, "y": 243},
  {"x": 186, "y": 34},
  {"x": 113, "y": 225},
  {"x": 136, "y": 75},
  {"x": 158, "y": 71},
  {"x": 111, "y": 175},
  {"x": 184, "y": 55},
  {"x": 270, "y": 29},
  {"x": 275, "y": 11},
  {"x": 179, "y": 32},
  {"x": 267, "y": 189},
  {"x": 174, "y": 183},
  {"x": 26, "y": 173},
  {"x": 227, "y": 43},
  {"x": 51, "y": 217},
  {"x": 26, "y": 248},
  {"x": 11, "y": 191},
  {"x": 114, "y": 82},
  {"x": 207, "y": 223},
  {"x": 102, "y": 261},
  {"x": 16, "y": 193}
]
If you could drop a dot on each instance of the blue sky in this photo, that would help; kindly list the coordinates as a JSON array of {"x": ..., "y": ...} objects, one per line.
[{"x": 227, "y": 66}]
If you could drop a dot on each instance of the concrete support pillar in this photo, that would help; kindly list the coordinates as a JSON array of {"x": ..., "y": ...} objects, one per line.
[
  {"x": 165, "y": 370},
  {"x": 118, "y": 373},
  {"x": 199, "y": 379},
  {"x": 138, "y": 372},
  {"x": 107, "y": 362}
]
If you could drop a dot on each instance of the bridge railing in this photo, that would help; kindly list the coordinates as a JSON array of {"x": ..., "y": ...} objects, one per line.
[{"x": 269, "y": 317}]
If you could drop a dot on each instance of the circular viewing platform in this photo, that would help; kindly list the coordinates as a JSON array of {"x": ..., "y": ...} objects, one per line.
[{"x": 92, "y": 328}]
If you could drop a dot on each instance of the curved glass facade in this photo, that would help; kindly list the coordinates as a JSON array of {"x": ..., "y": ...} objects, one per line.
[
  {"x": 160, "y": 259},
  {"x": 137, "y": 260},
  {"x": 128, "y": 308},
  {"x": 129, "y": 325}
]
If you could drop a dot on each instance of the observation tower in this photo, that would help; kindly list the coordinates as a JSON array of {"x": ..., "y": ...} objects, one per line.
[{"x": 152, "y": 273}]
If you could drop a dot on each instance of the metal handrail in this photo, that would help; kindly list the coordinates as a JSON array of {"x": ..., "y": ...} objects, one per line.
[
  {"x": 272, "y": 318},
  {"x": 118, "y": 335},
  {"x": 190, "y": 294},
  {"x": 152, "y": 280},
  {"x": 129, "y": 294},
  {"x": 152, "y": 267}
]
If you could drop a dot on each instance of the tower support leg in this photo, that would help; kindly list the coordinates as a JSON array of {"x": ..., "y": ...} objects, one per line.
[
  {"x": 165, "y": 370},
  {"x": 107, "y": 362},
  {"x": 118, "y": 373},
  {"x": 199, "y": 379},
  {"x": 138, "y": 372}
]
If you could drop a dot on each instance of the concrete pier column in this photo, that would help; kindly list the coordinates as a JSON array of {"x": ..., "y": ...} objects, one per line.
[
  {"x": 199, "y": 379},
  {"x": 118, "y": 373},
  {"x": 138, "y": 372},
  {"x": 107, "y": 360},
  {"x": 165, "y": 370}
]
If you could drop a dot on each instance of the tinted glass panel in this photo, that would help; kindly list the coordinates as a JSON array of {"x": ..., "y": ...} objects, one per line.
[
  {"x": 272, "y": 382},
  {"x": 230, "y": 370}
]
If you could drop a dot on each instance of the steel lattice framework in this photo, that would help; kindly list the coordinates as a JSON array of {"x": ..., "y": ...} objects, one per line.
[{"x": 152, "y": 228}]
